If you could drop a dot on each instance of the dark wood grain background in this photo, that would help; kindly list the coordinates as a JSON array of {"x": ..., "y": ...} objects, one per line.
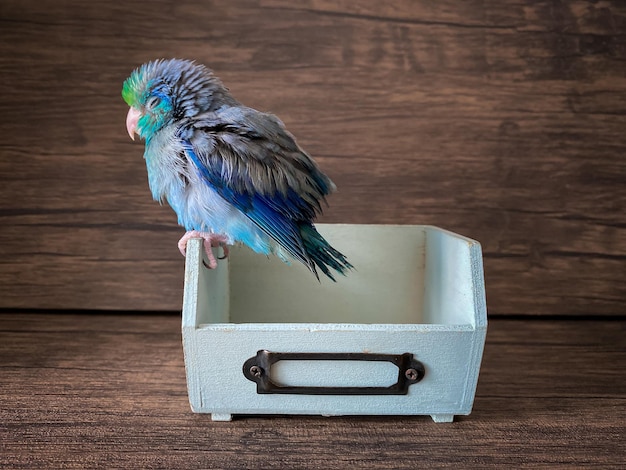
[{"x": 501, "y": 120}]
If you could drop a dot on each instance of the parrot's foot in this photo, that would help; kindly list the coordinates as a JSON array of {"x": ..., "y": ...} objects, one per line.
[{"x": 210, "y": 240}]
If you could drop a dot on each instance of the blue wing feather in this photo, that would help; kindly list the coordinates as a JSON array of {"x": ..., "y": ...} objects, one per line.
[
  {"x": 276, "y": 216},
  {"x": 253, "y": 163}
]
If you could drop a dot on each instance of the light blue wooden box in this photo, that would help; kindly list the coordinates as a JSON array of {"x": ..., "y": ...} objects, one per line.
[{"x": 416, "y": 290}]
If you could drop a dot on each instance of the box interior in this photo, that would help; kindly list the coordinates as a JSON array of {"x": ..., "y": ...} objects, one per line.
[{"x": 402, "y": 275}]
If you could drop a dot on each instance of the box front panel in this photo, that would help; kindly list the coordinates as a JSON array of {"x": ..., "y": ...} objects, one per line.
[{"x": 219, "y": 355}]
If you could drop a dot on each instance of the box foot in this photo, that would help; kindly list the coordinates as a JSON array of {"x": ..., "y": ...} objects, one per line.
[
  {"x": 442, "y": 418},
  {"x": 221, "y": 417}
]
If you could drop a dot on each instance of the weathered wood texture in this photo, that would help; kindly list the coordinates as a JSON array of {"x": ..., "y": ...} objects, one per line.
[
  {"x": 105, "y": 391},
  {"x": 501, "y": 120}
]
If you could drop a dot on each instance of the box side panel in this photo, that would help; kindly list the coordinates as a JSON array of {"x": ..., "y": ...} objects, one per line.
[
  {"x": 478, "y": 286},
  {"x": 193, "y": 287},
  {"x": 480, "y": 321},
  {"x": 205, "y": 298},
  {"x": 448, "y": 280},
  {"x": 224, "y": 389},
  {"x": 474, "y": 362},
  {"x": 193, "y": 370}
]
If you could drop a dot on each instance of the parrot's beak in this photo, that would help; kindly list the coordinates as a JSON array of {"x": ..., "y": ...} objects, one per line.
[{"x": 131, "y": 121}]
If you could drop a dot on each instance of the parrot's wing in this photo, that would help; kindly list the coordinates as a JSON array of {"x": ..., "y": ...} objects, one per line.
[{"x": 251, "y": 161}]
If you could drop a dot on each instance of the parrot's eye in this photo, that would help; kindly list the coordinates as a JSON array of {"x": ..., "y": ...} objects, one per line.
[{"x": 153, "y": 101}]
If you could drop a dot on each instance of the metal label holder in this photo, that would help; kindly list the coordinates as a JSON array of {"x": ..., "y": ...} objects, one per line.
[{"x": 258, "y": 369}]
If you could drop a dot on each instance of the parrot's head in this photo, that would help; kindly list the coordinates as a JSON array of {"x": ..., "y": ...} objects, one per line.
[{"x": 163, "y": 91}]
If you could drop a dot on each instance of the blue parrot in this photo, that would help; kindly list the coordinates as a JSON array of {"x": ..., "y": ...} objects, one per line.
[{"x": 231, "y": 173}]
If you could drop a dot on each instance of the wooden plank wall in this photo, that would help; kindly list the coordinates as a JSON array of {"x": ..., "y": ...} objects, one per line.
[{"x": 499, "y": 119}]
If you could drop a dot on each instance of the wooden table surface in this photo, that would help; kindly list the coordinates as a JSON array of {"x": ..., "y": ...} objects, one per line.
[{"x": 108, "y": 391}]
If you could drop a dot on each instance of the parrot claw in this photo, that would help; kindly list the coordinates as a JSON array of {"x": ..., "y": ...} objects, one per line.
[
  {"x": 225, "y": 250},
  {"x": 210, "y": 240}
]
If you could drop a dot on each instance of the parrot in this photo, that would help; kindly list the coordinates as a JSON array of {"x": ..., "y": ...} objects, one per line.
[{"x": 232, "y": 174}]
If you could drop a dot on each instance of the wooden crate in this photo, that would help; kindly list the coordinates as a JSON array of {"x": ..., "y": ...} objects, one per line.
[{"x": 402, "y": 334}]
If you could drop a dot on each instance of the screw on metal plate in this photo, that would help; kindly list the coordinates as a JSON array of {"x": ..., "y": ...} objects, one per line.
[
  {"x": 411, "y": 374},
  {"x": 257, "y": 369}
]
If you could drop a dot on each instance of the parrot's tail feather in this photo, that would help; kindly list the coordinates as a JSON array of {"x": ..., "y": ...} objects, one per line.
[{"x": 322, "y": 254}]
